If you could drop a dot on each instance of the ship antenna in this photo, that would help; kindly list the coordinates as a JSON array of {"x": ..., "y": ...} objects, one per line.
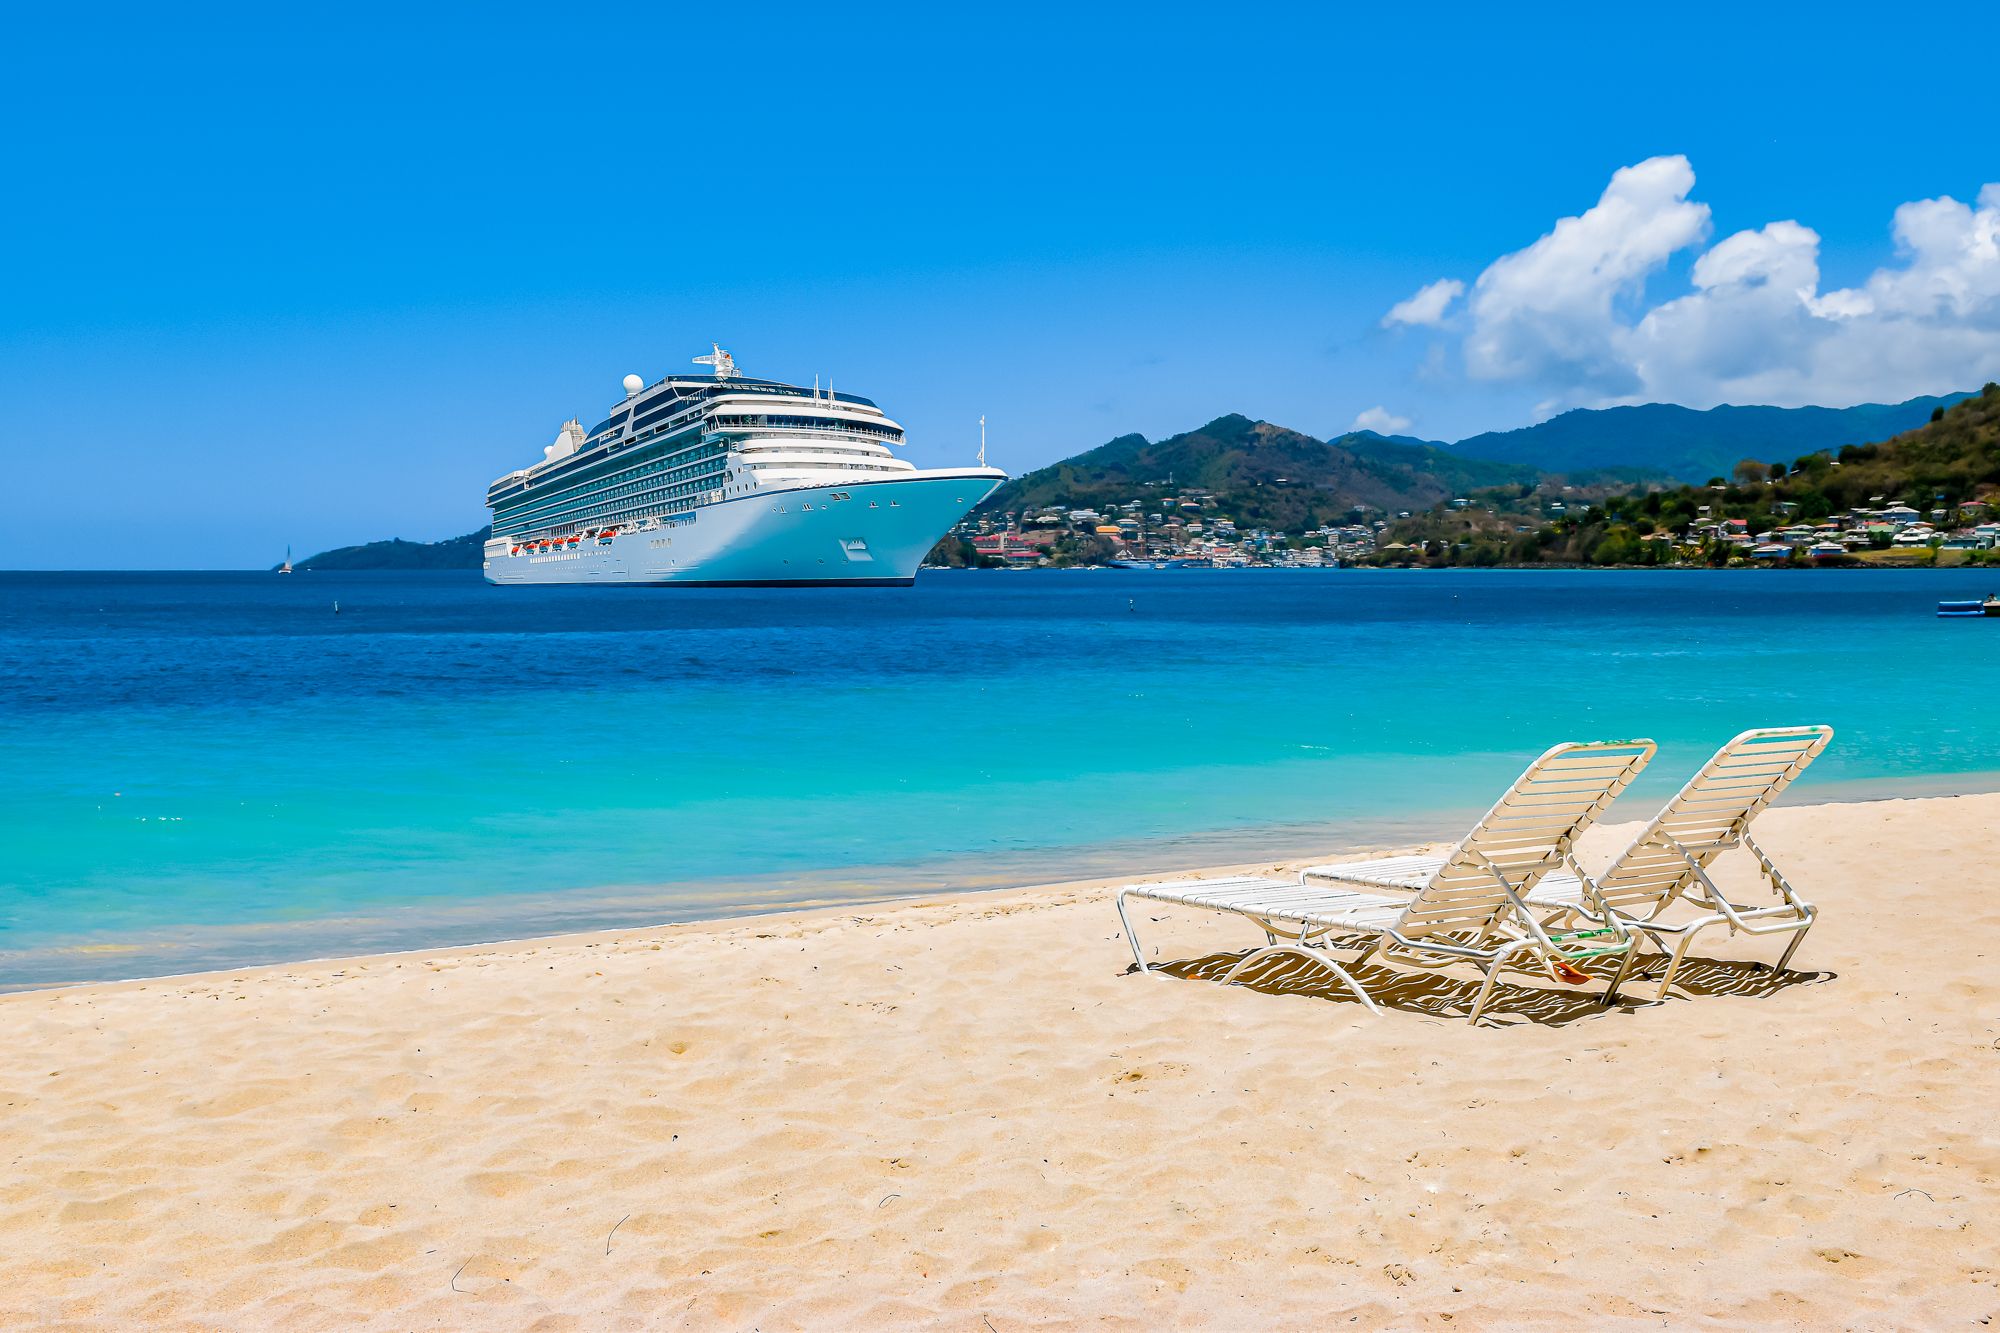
[
  {"x": 982, "y": 439},
  {"x": 724, "y": 363}
]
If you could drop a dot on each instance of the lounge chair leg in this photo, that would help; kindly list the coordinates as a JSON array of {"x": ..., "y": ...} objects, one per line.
[
  {"x": 1485, "y": 990},
  {"x": 1798, "y": 938},
  {"x": 1674, "y": 963},
  {"x": 1636, "y": 957},
  {"x": 1492, "y": 975},
  {"x": 1131, "y": 936},
  {"x": 1254, "y": 956},
  {"x": 1311, "y": 956},
  {"x": 1624, "y": 969}
]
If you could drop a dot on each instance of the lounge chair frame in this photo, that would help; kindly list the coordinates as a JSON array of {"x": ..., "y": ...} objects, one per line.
[
  {"x": 1638, "y": 887},
  {"x": 1470, "y": 908}
]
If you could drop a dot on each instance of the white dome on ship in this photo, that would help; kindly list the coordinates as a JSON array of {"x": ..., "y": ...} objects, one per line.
[{"x": 633, "y": 384}]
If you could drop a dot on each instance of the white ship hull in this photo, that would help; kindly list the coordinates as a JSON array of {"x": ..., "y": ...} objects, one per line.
[{"x": 838, "y": 533}]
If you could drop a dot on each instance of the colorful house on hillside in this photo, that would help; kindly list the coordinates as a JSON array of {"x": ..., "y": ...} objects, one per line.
[{"x": 1008, "y": 546}]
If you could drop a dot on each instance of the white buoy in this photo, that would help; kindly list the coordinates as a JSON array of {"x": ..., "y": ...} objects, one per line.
[{"x": 633, "y": 384}]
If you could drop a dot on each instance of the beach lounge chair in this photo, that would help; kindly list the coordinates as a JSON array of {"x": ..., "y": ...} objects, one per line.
[
  {"x": 1669, "y": 861},
  {"x": 1468, "y": 908}
]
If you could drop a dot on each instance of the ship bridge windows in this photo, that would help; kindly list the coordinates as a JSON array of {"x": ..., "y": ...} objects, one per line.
[
  {"x": 735, "y": 387},
  {"x": 777, "y": 421},
  {"x": 807, "y": 465},
  {"x": 790, "y": 448},
  {"x": 659, "y": 410}
]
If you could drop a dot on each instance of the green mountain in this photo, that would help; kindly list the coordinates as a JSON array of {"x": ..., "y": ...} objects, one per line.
[
  {"x": 1951, "y": 462},
  {"x": 1953, "y": 458},
  {"x": 1262, "y": 474},
  {"x": 1693, "y": 446},
  {"x": 452, "y": 553}
]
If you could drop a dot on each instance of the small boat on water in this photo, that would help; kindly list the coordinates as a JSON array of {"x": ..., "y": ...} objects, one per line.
[{"x": 1988, "y": 607}]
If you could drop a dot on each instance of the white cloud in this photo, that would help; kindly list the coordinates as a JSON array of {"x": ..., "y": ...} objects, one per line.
[
  {"x": 1427, "y": 306},
  {"x": 1380, "y": 420},
  {"x": 1552, "y": 312},
  {"x": 1568, "y": 315}
]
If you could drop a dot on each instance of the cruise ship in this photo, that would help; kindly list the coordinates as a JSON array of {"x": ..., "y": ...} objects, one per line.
[{"x": 716, "y": 478}]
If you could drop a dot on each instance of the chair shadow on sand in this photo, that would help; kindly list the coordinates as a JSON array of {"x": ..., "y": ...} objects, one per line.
[{"x": 1445, "y": 995}]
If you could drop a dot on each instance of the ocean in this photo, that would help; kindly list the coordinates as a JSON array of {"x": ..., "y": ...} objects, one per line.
[{"x": 219, "y": 769}]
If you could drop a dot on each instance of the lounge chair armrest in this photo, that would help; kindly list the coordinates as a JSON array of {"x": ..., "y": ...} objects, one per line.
[
  {"x": 1439, "y": 946},
  {"x": 1711, "y": 896}
]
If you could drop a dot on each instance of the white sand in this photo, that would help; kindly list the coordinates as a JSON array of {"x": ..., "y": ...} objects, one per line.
[{"x": 963, "y": 1113}]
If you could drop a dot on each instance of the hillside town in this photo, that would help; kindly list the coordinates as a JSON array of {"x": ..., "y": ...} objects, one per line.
[
  {"x": 1882, "y": 526},
  {"x": 1193, "y": 531},
  {"x": 1714, "y": 526},
  {"x": 1189, "y": 529}
]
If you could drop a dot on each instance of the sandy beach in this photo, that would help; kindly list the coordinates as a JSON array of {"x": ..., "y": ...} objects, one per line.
[{"x": 965, "y": 1113}]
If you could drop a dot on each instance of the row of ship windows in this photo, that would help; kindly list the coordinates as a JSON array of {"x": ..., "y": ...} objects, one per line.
[
  {"x": 666, "y": 406},
  {"x": 809, "y": 423},
  {"x": 609, "y": 509},
  {"x": 791, "y": 447},
  {"x": 602, "y": 506},
  {"x": 607, "y": 506},
  {"x": 614, "y": 424},
  {"x": 596, "y": 470},
  {"x": 544, "y": 506},
  {"x": 650, "y": 477},
  {"x": 737, "y": 388},
  {"x": 583, "y": 487},
  {"x": 668, "y": 409}
]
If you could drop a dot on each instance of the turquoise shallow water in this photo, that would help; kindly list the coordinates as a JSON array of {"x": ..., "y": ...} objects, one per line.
[{"x": 213, "y": 769}]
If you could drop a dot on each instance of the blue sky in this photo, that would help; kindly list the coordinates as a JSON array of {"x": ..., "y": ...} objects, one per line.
[{"x": 315, "y": 276}]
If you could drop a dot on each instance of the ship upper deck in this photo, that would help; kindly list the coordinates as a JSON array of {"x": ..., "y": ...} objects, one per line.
[{"x": 733, "y": 403}]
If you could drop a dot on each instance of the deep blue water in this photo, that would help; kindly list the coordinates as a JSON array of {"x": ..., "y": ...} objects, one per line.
[{"x": 211, "y": 769}]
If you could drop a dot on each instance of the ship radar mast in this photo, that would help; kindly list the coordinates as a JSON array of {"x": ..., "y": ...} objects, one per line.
[{"x": 724, "y": 363}]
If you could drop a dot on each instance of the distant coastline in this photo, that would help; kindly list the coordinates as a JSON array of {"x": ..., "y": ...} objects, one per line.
[{"x": 395, "y": 553}]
